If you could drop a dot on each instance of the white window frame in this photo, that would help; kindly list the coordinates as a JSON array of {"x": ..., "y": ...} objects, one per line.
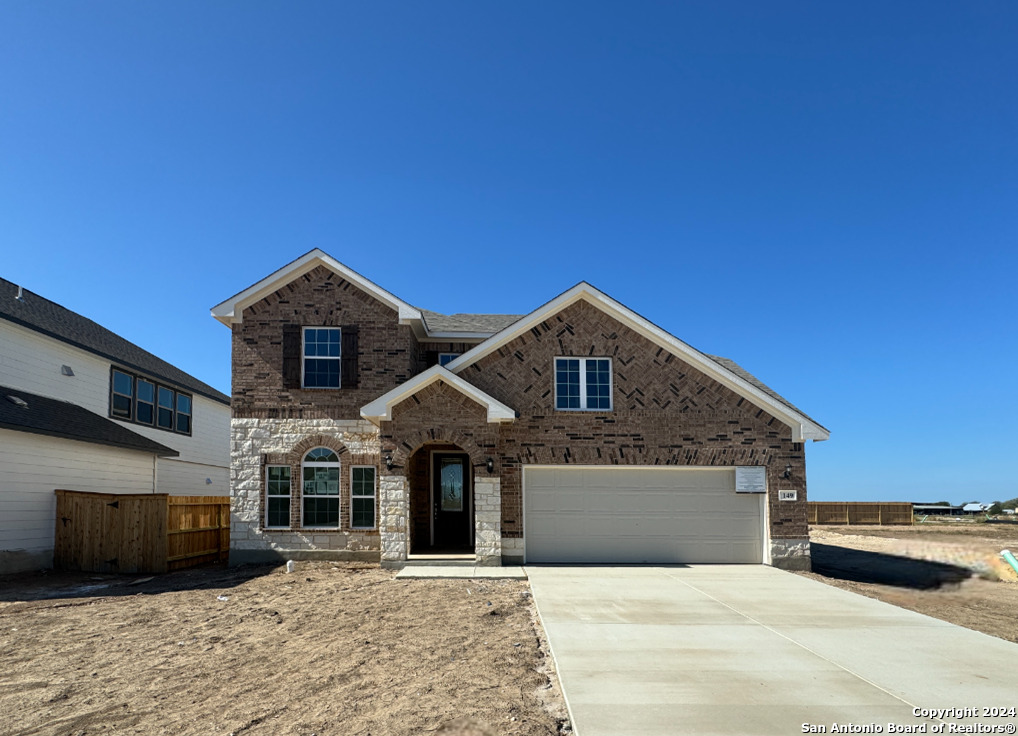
[
  {"x": 303, "y": 356},
  {"x": 374, "y": 496},
  {"x": 450, "y": 356},
  {"x": 339, "y": 494},
  {"x": 274, "y": 495},
  {"x": 583, "y": 382}
]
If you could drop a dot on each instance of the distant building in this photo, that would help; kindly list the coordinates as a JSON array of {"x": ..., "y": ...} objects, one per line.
[{"x": 934, "y": 509}]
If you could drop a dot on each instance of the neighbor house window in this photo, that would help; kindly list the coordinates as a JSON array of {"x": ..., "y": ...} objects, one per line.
[
  {"x": 320, "y": 478},
  {"x": 362, "y": 497},
  {"x": 143, "y": 401},
  {"x": 321, "y": 357},
  {"x": 583, "y": 383},
  {"x": 122, "y": 403},
  {"x": 184, "y": 413},
  {"x": 444, "y": 358},
  {"x": 146, "y": 402},
  {"x": 164, "y": 413},
  {"x": 277, "y": 496}
]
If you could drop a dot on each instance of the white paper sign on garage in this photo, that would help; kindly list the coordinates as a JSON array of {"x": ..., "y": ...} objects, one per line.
[{"x": 751, "y": 479}]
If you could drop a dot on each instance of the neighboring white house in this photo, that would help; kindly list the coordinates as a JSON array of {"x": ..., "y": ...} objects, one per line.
[{"x": 124, "y": 421}]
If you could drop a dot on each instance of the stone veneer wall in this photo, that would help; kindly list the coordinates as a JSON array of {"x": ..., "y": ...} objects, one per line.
[
  {"x": 487, "y": 521},
  {"x": 791, "y": 554},
  {"x": 257, "y": 442},
  {"x": 394, "y": 517}
]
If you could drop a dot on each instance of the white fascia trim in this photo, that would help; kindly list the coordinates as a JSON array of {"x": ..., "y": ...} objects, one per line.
[
  {"x": 231, "y": 311},
  {"x": 380, "y": 410},
  {"x": 802, "y": 427}
]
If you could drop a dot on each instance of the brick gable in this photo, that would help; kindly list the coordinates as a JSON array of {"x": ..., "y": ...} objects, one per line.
[
  {"x": 388, "y": 353},
  {"x": 666, "y": 412}
]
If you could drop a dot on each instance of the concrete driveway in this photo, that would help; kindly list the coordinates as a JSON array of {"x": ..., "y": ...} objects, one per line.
[{"x": 714, "y": 649}]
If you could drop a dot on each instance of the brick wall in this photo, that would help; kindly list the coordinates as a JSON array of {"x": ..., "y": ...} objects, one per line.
[
  {"x": 666, "y": 412},
  {"x": 388, "y": 353}
]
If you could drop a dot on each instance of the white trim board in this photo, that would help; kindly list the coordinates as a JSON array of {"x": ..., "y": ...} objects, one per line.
[
  {"x": 380, "y": 410},
  {"x": 803, "y": 428}
]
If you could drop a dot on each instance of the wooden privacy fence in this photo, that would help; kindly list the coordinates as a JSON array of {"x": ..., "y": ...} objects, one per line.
[
  {"x": 862, "y": 512},
  {"x": 139, "y": 532}
]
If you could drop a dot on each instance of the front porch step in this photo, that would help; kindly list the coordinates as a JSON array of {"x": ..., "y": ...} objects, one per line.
[{"x": 440, "y": 560}]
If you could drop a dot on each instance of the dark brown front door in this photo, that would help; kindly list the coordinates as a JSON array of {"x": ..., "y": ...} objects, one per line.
[{"x": 452, "y": 512}]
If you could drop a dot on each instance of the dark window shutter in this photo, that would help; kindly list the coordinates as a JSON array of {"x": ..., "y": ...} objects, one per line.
[
  {"x": 291, "y": 356},
  {"x": 348, "y": 362},
  {"x": 430, "y": 358}
]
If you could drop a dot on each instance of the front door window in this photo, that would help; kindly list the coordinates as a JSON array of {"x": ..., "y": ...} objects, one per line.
[{"x": 452, "y": 484}]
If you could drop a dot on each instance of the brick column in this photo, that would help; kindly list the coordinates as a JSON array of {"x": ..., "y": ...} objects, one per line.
[{"x": 488, "y": 521}]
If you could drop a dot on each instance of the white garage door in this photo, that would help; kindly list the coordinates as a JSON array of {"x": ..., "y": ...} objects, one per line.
[{"x": 639, "y": 514}]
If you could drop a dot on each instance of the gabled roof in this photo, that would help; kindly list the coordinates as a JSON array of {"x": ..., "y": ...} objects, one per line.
[
  {"x": 722, "y": 370},
  {"x": 380, "y": 409},
  {"x": 486, "y": 324},
  {"x": 49, "y": 318},
  {"x": 426, "y": 324},
  {"x": 231, "y": 311},
  {"x": 27, "y": 412}
]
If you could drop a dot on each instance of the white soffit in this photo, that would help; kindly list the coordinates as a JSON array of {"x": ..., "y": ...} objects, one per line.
[
  {"x": 380, "y": 409},
  {"x": 803, "y": 428},
  {"x": 231, "y": 311}
]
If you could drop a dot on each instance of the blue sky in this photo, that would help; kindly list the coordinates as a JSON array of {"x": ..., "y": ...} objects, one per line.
[{"x": 824, "y": 192}]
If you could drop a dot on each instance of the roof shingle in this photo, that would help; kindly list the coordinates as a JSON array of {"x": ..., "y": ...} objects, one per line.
[
  {"x": 49, "y": 318},
  {"x": 27, "y": 412}
]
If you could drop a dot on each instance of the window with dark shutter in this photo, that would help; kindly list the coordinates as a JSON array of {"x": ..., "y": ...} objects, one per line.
[{"x": 348, "y": 361}]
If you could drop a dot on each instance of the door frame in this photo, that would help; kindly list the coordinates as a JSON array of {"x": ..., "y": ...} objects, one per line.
[{"x": 431, "y": 492}]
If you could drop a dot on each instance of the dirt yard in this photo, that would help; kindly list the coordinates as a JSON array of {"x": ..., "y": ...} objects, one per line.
[
  {"x": 330, "y": 649},
  {"x": 948, "y": 570}
]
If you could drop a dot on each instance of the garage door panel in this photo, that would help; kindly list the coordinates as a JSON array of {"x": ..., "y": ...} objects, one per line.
[{"x": 634, "y": 515}]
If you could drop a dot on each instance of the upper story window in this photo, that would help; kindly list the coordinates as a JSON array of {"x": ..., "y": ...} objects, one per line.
[
  {"x": 583, "y": 383},
  {"x": 321, "y": 357},
  {"x": 444, "y": 358},
  {"x": 139, "y": 400}
]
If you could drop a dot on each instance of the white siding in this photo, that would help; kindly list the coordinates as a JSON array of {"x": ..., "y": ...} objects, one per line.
[
  {"x": 188, "y": 479},
  {"x": 31, "y": 361},
  {"x": 32, "y": 466}
]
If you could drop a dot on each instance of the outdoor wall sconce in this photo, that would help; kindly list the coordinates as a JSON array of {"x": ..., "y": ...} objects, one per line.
[
  {"x": 788, "y": 472},
  {"x": 388, "y": 461},
  {"x": 490, "y": 465}
]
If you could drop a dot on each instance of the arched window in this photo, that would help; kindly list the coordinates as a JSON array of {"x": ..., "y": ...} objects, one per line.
[{"x": 320, "y": 486}]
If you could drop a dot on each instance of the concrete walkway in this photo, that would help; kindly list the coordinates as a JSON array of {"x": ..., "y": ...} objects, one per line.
[{"x": 754, "y": 650}]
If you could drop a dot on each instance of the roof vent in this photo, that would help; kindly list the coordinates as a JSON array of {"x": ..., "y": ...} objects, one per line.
[
  {"x": 17, "y": 401},
  {"x": 20, "y": 297},
  {"x": 66, "y": 370}
]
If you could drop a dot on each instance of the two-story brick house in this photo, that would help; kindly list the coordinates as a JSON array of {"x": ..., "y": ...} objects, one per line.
[{"x": 364, "y": 427}]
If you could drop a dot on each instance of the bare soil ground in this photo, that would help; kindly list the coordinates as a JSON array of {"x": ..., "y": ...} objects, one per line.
[
  {"x": 330, "y": 649},
  {"x": 947, "y": 570}
]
